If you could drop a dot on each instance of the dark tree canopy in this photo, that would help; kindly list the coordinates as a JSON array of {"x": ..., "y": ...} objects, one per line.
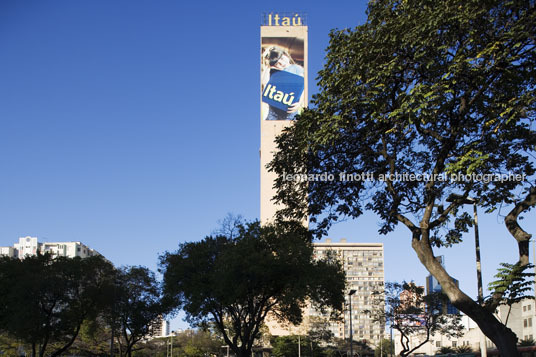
[
  {"x": 439, "y": 90},
  {"x": 236, "y": 281},
  {"x": 136, "y": 306},
  {"x": 44, "y": 301}
]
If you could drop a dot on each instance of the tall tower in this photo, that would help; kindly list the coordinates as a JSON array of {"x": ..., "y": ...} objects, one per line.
[{"x": 283, "y": 90}]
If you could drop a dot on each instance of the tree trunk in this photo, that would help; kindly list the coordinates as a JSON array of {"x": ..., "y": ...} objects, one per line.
[
  {"x": 502, "y": 336},
  {"x": 242, "y": 352}
]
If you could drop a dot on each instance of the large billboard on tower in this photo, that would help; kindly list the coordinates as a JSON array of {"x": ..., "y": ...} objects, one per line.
[
  {"x": 282, "y": 77},
  {"x": 283, "y": 89}
]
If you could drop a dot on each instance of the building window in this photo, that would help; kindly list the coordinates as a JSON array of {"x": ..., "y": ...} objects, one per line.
[
  {"x": 524, "y": 308},
  {"x": 438, "y": 344},
  {"x": 530, "y": 321},
  {"x": 525, "y": 323},
  {"x": 454, "y": 343},
  {"x": 528, "y": 307}
]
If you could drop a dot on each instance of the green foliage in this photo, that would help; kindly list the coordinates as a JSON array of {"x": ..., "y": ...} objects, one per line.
[
  {"x": 515, "y": 282},
  {"x": 45, "y": 301},
  {"x": 286, "y": 346},
  {"x": 187, "y": 343},
  {"x": 235, "y": 281},
  {"x": 135, "y": 306},
  {"x": 198, "y": 342},
  {"x": 427, "y": 88},
  {"x": 9, "y": 346},
  {"x": 93, "y": 339},
  {"x": 385, "y": 348},
  {"x": 319, "y": 331},
  {"x": 403, "y": 95}
]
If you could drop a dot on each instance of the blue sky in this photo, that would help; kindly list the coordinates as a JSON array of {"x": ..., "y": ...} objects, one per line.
[{"x": 133, "y": 126}]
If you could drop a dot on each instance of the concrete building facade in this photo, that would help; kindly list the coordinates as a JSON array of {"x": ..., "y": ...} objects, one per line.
[
  {"x": 364, "y": 267},
  {"x": 159, "y": 328},
  {"x": 290, "y": 36}
]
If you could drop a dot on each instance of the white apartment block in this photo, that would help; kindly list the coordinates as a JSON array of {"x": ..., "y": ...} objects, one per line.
[
  {"x": 521, "y": 320},
  {"x": 159, "y": 328},
  {"x": 28, "y": 246},
  {"x": 364, "y": 267}
]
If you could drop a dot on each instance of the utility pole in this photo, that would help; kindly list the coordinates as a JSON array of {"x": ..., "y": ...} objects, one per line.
[{"x": 352, "y": 292}]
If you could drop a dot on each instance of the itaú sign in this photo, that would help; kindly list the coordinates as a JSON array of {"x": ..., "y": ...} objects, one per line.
[{"x": 286, "y": 19}]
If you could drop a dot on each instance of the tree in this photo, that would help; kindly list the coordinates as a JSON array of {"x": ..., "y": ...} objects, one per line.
[
  {"x": 285, "y": 346},
  {"x": 45, "y": 301},
  {"x": 93, "y": 339},
  {"x": 318, "y": 330},
  {"x": 385, "y": 348},
  {"x": 411, "y": 102},
  {"x": 137, "y": 304},
  {"x": 235, "y": 282},
  {"x": 200, "y": 342},
  {"x": 410, "y": 312}
]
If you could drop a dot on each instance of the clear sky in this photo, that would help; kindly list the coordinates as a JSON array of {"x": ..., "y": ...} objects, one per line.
[{"x": 132, "y": 126}]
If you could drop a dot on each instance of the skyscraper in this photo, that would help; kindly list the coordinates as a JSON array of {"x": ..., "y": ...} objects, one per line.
[
  {"x": 433, "y": 286},
  {"x": 364, "y": 267},
  {"x": 283, "y": 90}
]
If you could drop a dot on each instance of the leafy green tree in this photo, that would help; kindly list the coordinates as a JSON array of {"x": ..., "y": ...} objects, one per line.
[
  {"x": 156, "y": 347},
  {"x": 436, "y": 89},
  {"x": 410, "y": 312},
  {"x": 45, "y": 301},
  {"x": 514, "y": 284},
  {"x": 318, "y": 330},
  {"x": 287, "y": 346},
  {"x": 385, "y": 348},
  {"x": 9, "y": 346},
  {"x": 93, "y": 339},
  {"x": 235, "y": 281},
  {"x": 201, "y": 342},
  {"x": 137, "y": 304}
]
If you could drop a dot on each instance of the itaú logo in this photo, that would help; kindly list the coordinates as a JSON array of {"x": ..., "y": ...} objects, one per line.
[{"x": 276, "y": 20}]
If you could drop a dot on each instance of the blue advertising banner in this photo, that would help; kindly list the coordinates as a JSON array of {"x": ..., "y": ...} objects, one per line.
[{"x": 283, "y": 89}]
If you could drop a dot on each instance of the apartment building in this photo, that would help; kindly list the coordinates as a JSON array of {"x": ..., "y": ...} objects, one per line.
[
  {"x": 364, "y": 267},
  {"x": 28, "y": 246}
]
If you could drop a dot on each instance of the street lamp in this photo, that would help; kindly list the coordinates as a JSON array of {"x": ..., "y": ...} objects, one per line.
[
  {"x": 169, "y": 349},
  {"x": 468, "y": 200},
  {"x": 350, "y": 293}
]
